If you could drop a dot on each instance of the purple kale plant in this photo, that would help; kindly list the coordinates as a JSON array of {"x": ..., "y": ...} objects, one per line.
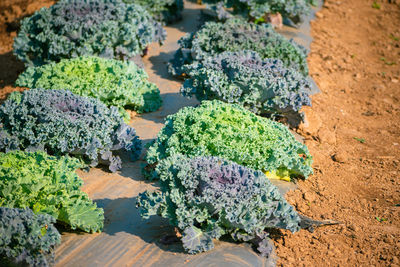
[
  {"x": 236, "y": 35},
  {"x": 72, "y": 28},
  {"x": 265, "y": 87},
  {"x": 166, "y": 11},
  {"x": 62, "y": 123},
  {"x": 27, "y": 239},
  {"x": 208, "y": 197},
  {"x": 256, "y": 10}
]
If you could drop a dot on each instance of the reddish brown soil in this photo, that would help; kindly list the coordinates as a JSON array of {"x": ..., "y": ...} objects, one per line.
[
  {"x": 11, "y": 12},
  {"x": 355, "y": 59}
]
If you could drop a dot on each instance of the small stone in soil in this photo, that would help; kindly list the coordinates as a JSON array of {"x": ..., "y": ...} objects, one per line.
[{"x": 340, "y": 156}]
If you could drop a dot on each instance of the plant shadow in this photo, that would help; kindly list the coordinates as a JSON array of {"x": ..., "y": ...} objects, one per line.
[
  {"x": 175, "y": 102},
  {"x": 121, "y": 215},
  {"x": 10, "y": 68},
  {"x": 159, "y": 64},
  {"x": 191, "y": 18}
]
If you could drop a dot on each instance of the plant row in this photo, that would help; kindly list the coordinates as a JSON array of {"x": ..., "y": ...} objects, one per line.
[{"x": 213, "y": 162}]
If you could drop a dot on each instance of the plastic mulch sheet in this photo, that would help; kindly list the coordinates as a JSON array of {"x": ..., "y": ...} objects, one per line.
[{"x": 127, "y": 240}]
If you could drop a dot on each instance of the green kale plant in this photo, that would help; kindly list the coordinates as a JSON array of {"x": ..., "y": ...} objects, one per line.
[
  {"x": 27, "y": 239},
  {"x": 72, "y": 28},
  {"x": 236, "y": 35},
  {"x": 63, "y": 123},
  {"x": 234, "y": 133},
  {"x": 113, "y": 82},
  {"x": 48, "y": 185},
  {"x": 265, "y": 87}
]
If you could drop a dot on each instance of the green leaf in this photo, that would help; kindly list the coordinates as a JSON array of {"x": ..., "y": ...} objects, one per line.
[
  {"x": 43, "y": 230},
  {"x": 361, "y": 140},
  {"x": 376, "y": 5},
  {"x": 195, "y": 241},
  {"x": 381, "y": 219},
  {"x": 81, "y": 214},
  {"x": 48, "y": 185},
  {"x": 394, "y": 38}
]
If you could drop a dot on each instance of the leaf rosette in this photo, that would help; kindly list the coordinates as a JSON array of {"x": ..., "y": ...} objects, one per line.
[
  {"x": 233, "y": 133},
  {"x": 63, "y": 123},
  {"x": 72, "y": 28},
  {"x": 236, "y": 35},
  {"x": 208, "y": 197},
  {"x": 48, "y": 185},
  {"x": 265, "y": 87},
  {"x": 27, "y": 239},
  {"x": 167, "y": 11},
  {"x": 113, "y": 82}
]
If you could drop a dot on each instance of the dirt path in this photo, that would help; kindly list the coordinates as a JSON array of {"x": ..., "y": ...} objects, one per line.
[
  {"x": 355, "y": 59},
  {"x": 352, "y": 132}
]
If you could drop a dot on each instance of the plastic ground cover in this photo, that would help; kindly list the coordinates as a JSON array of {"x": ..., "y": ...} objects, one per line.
[{"x": 127, "y": 240}]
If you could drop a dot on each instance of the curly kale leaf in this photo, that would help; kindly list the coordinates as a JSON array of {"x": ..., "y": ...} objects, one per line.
[
  {"x": 265, "y": 87},
  {"x": 194, "y": 240},
  {"x": 167, "y": 11},
  {"x": 61, "y": 123},
  {"x": 48, "y": 185},
  {"x": 72, "y": 28},
  {"x": 255, "y": 9},
  {"x": 27, "y": 238},
  {"x": 236, "y": 35},
  {"x": 113, "y": 82},
  {"x": 208, "y": 197},
  {"x": 234, "y": 133}
]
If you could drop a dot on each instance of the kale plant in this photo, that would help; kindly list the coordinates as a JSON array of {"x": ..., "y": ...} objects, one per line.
[
  {"x": 233, "y": 133},
  {"x": 256, "y": 9},
  {"x": 48, "y": 185},
  {"x": 27, "y": 238},
  {"x": 265, "y": 87},
  {"x": 208, "y": 197},
  {"x": 167, "y": 11},
  {"x": 61, "y": 123},
  {"x": 113, "y": 82},
  {"x": 72, "y": 28},
  {"x": 236, "y": 35}
]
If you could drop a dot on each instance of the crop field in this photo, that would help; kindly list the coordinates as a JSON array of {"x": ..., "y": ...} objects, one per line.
[{"x": 199, "y": 133}]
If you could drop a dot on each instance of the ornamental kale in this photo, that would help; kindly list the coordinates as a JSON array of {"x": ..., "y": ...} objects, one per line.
[
  {"x": 167, "y": 11},
  {"x": 48, "y": 185},
  {"x": 255, "y": 9},
  {"x": 207, "y": 197},
  {"x": 233, "y": 133},
  {"x": 72, "y": 28},
  {"x": 237, "y": 35},
  {"x": 265, "y": 87},
  {"x": 27, "y": 238},
  {"x": 113, "y": 82},
  {"x": 61, "y": 123}
]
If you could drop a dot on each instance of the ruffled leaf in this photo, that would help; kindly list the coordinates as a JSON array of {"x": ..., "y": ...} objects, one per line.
[
  {"x": 48, "y": 185},
  {"x": 236, "y": 35},
  {"x": 62, "y": 123},
  {"x": 113, "y": 82},
  {"x": 195, "y": 241},
  {"x": 27, "y": 239},
  {"x": 73, "y": 28}
]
